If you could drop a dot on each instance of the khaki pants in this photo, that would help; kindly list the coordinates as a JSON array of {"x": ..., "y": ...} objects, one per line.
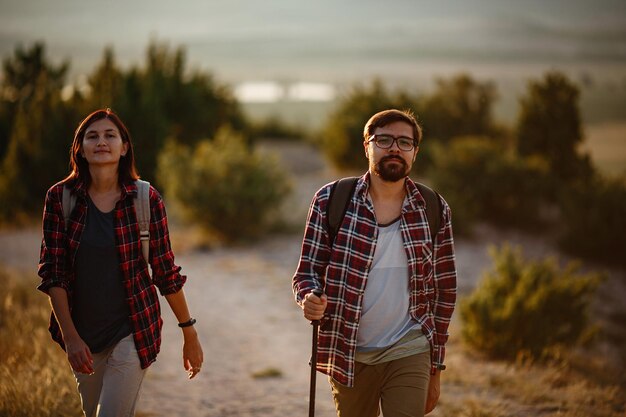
[
  {"x": 399, "y": 386},
  {"x": 113, "y": 388}
]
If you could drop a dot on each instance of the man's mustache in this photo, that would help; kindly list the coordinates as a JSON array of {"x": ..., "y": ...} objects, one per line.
[{"x": 391, "y": 158}]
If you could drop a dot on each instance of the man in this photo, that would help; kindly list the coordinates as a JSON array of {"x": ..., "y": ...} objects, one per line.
[{"x": 388, "y": 289}]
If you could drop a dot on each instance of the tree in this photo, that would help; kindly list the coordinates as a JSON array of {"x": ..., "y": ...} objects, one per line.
[
  {"x": 20, "y": 75},
  {"x": 40, "y": 130},
  {"x": 106, "y": 84},
  {"x": 549, "y": 125},
  {"x": 342, "y": 136},
  {"x": 160, "y": 100},
  {"x": 459, "y": 106},
  {"x": 38, "y": 150}
]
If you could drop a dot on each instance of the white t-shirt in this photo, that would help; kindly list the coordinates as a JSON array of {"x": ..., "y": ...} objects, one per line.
[
  {"x": 386, "y": 330},
  {"x": 385, "y": 316}
]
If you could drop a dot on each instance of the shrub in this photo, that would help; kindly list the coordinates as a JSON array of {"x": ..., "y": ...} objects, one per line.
[
  {"x": 593, "y": 220},
  {"x": 342, "y": 136},
  {"x": 459, "y": 106},
  {"x": 35, "y": 376},
  {"x": 223, "y": 186},
  {"x": 274, "y": 128},
  {"x": 527, "y": 309},
  {"x": 482, "y": 180}
]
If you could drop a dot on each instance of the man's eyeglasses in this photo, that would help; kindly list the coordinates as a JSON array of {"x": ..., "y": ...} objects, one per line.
[{"x": 386, "y": 142}]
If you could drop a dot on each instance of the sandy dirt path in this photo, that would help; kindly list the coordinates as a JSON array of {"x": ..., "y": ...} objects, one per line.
[{"x": 248, "y": 323}]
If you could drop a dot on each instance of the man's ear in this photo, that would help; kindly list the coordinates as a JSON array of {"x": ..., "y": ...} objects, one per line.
[
  {"x": 417, "y": 149},
  {"x": 366, "y": 149}
]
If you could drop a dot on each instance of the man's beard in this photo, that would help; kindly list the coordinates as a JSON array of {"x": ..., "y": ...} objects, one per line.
[{"x": 391, "y": 172}]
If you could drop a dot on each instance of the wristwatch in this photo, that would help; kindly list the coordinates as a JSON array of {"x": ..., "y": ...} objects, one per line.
[{"x": 437, "y": 367}]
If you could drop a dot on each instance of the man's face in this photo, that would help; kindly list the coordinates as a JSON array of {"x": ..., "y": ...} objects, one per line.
[{"x": 392, "y": 164}]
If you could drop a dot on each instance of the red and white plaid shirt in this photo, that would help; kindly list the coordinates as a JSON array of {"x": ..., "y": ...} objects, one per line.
[
  {"x": 58, "y": 255},
  {"x": 342, "y": 273}
]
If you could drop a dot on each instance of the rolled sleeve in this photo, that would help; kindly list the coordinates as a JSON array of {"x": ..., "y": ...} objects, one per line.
[
  {"x": 52, "y": 256},
  {"x": 166, "y": 274},
  {"x": 445, "y": 286},
  {"x": 315, "y": 251}
]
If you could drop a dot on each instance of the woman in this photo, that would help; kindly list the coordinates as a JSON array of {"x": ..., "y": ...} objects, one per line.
[{"x": 106, "y": 312}]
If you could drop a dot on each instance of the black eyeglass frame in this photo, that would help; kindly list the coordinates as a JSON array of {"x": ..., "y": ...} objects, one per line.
[{"x": 395, "y": 139}]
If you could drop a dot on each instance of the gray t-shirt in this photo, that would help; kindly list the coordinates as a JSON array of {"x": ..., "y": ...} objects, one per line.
[
  {"x": 385, "y": 319},
  {"x": 100, "y": 311}
]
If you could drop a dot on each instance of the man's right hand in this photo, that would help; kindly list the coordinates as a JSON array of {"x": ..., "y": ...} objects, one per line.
[{"x": 314, "y": 306}]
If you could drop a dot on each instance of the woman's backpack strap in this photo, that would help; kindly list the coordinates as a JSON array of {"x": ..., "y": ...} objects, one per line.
[
  {"x": 68, "y": 203},
  {"x": 142, "y": 209}
]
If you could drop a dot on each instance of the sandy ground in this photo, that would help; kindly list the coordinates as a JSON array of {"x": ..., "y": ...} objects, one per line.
[{"x": 249, "y": 324}]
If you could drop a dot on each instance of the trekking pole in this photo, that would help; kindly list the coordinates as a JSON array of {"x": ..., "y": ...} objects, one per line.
[{"x": 316, "y": 325}]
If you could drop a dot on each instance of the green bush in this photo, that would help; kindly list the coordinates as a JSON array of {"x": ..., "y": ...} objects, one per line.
[
  {"x": 482, "y": 180},
  {"x": 593, "y": 220},
  {"x": 342, "y": 136},
  {"x": 275, "y": 128},
  {"x": 223, "y": 186},
  {"x": 528, "y": 309},
  {"x": 459, "y": 106}
]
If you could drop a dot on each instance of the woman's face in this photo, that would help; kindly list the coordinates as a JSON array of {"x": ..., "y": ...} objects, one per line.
[{"x": 102, "y": 143}]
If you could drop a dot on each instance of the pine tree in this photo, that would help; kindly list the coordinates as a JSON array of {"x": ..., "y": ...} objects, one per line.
[{"x": 549, "y": 125}]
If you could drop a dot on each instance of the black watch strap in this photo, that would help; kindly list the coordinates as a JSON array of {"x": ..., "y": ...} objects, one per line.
[{"x": 188, "y": 323}]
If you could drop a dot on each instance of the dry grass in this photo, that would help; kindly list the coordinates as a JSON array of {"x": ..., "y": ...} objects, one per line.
[
  {"x": 270, "y": 372},
  {"x": 35, "y": 379},
  {"x": 475, "y": 386}
]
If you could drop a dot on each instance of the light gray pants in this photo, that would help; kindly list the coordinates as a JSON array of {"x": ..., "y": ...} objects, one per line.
[{"x": 113, "y": 389}]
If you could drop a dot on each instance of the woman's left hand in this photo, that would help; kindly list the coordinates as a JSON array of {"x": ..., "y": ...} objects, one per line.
[{"x": 192, "y": 352}]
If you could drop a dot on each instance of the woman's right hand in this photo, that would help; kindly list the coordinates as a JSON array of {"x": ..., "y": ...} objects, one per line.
[{"x": 79, "y": 355}]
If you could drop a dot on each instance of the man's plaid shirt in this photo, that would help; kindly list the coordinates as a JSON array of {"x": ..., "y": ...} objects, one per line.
[
  {"x": 58, "y": 255},
  {"x": 342, "y": 273}
]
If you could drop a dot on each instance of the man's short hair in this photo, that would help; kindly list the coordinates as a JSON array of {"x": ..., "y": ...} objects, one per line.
[{"x": 386, "y": 117}]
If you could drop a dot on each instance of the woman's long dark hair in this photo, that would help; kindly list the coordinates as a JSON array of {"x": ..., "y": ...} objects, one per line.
[{"x": 79, "y": 165}]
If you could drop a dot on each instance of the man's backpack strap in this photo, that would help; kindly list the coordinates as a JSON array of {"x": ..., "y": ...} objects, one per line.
[
  {"x": 433, "y": 208},
  {"x": 68, "y": 202},
  {"x": 338, "y": 201},
  {"x": 342, "y": 190},
  {"x": 142, "y": 209}
]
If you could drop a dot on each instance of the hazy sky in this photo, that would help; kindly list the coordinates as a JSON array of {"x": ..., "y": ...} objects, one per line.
[{"x": 328, "y": 40}]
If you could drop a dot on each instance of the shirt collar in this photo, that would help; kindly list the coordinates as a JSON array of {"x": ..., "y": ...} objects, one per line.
[
  {"x": 414, "y": 198},
  {"x": 128, "y": 188}
]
